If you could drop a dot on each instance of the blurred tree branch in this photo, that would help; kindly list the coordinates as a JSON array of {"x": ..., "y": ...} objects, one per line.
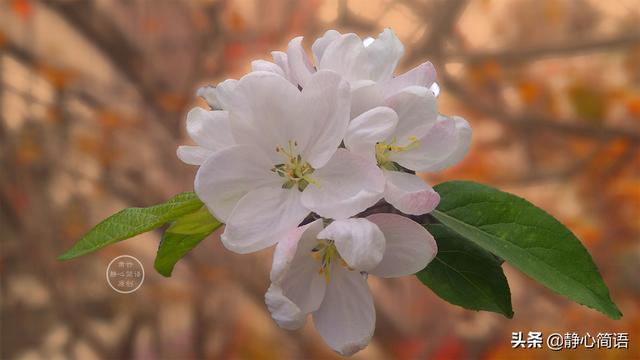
[
  {"x": 535, "y": 122},
  {"x": 114, "y": 44},
  {"x": 139, "y": 187},
  {"x": 511, "y": 56}
]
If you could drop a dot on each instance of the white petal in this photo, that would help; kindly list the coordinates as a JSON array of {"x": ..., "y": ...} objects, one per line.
[
  {"x": 409, "y": 246},
  {"x": 347, "y": 185},
  {"x": 193, "y": 155},
  {"x": 359, "y": 242},
  {"x": 383, "y": 55},
  {"x": 218, "y": 96},
  {"x": 463, "y": 142},
  {"x": 210, "y": 129},
  {"x": 263, "y": 112},
  {"x": 304, "y": 285},
  {"x": 417, "y": 112},
  {"x": 409, "y": 193},
  {"x": 284, "y": 311},
  {"x": 261, "y": 218},
  {"x": 209, "y": 94},
  {"x": 435, "y": 88},
  {"x": 431, "y": 150},
  {"x": 345, "y": 55},
  {"x": 289, "y": 246},
  {"x": 296, "y": 271},
  {"x": 229, "y": 174},
  {"x": 263, "y": 65},
  {"x": 365, "y": 95},
  {"x": 320, "y": 45},
  {"x": 299, "y": 65},
  {"x": 421, "y": 75},
  {"x": 224, "y": 92},
  {"x": 369, "y": 128},
  {"x": 280, "y": 58},
  {"x": 324, "y": 117},
  {"x": 346, "y": 319}
]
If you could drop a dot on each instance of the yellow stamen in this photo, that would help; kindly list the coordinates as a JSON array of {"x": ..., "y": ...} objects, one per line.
[
  {"x": 295, "y": 171},
  {"x": 326, "y": 253},
  {"x": 384, "y": 150}
]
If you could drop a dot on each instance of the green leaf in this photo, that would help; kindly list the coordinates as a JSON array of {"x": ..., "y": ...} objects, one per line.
[
  {"x": 464, "y": 274},
  {"x": 526, "y": 237},
  {"x": 182, "y": 236},
  {"x": 131, "y": 222}
]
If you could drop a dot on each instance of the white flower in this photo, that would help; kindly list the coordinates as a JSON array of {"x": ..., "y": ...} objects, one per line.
[
  {"x": 368, "y": 69},
  {"x": 413, "y": 142},
  {"x": 415, "y": 137},
  {"x": 285, "y": 160},
  {"x": 324, "y": 272},
  {"x": 210, "y": 129}
]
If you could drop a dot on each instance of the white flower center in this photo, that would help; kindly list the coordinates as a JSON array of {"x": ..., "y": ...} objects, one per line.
[
  {"x": 327, "y": 253},
  {"x": 294, "y": 170},
  {"x": 383, "y": 150}
]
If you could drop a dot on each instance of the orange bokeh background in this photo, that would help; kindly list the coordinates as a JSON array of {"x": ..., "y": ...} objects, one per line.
[{"x": 93, "y": 98}]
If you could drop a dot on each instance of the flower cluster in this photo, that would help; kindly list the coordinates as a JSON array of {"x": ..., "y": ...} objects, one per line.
[{"x": 297, "y": 153}]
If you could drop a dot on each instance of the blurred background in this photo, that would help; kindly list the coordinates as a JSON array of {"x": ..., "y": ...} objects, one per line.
[{"x": 93, "y": 97}]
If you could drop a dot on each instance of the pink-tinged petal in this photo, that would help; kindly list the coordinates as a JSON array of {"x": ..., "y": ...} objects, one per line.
[
  {"x": 421, "y": 75},
  {"x": 229, "y": 174},
  {"x": 324, "y": 117},
  {"x": 295, "y": 271},
  {"x": 210, "y": 129},
  {"x": 261, "y": 218},
  {"x": 347, "y": 185},
  {"x": 263, "y": 112},
  {"x": 368, "y": 129},
  {"x": 284, "y": 311},
  {"x": 409, "y": 246},
  {"x": 359, "y": 242},
  {"x": 383, "y": 55},
  {"x": 320, "y": 45},
  {"x": 193, "y": 155},
  {"x": 463, "y": 142},
  {"x": 417, "y": 112},
  {"x": 263, "y": 65},
  {"x": 409, "y": 193},
  {"x": 299, "y": 65},
  {"x": 431, "y": 150},
  {"x": 345, "y": 55},
  {"x": 346, "y": 319},
  {"x": 365, "y": 95}
]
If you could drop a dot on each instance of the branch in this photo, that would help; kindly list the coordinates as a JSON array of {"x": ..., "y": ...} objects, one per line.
[
  {"x": 537, "y": 122},
  {"x": 567, "y": 172},
  {"x": 102, "y": 32},
  {"x": 442, "y": 21},
  {"x": 507, "y": 56},
  {"x": 112, "y": 42},
  {"x": 346, "y": 18}
]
